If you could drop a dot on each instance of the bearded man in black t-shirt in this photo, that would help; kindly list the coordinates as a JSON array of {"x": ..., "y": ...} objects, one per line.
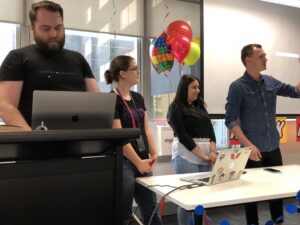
[{"x": 45, "y": 65}]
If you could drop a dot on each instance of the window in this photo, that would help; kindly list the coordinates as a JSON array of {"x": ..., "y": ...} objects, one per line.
[
  {"x": 8, "y": 41},
  {"x": 99, "y": 48},
  {"x": 8, "y": 38},
  {"x": 221, "y": 133},
  {"x": 163, "y": 89}
]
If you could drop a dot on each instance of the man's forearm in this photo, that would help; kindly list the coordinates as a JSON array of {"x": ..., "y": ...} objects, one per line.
[
  {"x": 239, "y": 134},
  {"x": 12, "y": 116}
]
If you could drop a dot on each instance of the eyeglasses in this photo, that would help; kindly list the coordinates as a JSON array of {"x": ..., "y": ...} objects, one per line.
[{"x": 134, "y": 69}]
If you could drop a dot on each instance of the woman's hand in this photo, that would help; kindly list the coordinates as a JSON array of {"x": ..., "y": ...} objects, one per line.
[
  {"x": 145, "y": 166},
  {"x": 153, "y": 161},
  {"x": 203, "y": 155},
  {"x": 213, "y": 154}
]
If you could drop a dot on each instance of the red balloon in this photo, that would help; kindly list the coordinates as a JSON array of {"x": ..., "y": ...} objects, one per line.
[
  {"x": 178, "y": 28},
  {"x": 180, "y": 48}
]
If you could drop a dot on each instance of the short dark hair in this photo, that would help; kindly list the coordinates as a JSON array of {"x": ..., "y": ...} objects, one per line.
[
  {"x": 47, "y": 5},
  {"x": 248, "y": 51},
  {"x": 182, "y": 91},
  {"x": 121, "y": 62}
]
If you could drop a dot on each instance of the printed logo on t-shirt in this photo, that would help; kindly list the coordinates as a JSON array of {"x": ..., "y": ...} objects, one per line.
[{"x": 51, "y": 73}]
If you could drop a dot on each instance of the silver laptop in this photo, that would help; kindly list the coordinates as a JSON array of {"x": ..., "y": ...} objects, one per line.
[
  {"x": 229, "y": 166},
  {"x": 56, "y": 110}
]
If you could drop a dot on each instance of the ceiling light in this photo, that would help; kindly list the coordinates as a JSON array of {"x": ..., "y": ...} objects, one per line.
[
  {"x": 287, "y": 54},
  {"x": 293, "y": 3}
]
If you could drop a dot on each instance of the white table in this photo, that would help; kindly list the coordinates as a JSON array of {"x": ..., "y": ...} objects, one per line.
[{"x": 255, "y": 185}]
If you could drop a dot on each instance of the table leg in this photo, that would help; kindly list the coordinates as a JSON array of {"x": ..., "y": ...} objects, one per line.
[
  {"x": 198, "y": 215},
  {"x": 198, "y": 219}
]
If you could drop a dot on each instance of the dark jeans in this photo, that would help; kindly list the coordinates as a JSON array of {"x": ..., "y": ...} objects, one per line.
[
  {"x": 272, "y": 158},
  {"x": 145, "y": 198}
]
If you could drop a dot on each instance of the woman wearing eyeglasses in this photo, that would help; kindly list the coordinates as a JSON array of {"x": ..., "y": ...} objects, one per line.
[{"x": 140, "y": 155}]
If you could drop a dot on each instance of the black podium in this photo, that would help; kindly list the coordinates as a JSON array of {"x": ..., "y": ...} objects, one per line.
[{"x": 62, "y": 177}]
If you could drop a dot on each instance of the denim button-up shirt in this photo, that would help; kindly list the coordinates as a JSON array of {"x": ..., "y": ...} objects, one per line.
[{"x": 252, "y": 105}]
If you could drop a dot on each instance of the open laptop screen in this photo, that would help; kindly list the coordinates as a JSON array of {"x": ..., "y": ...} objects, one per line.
[
  {"x": 56, "y": 110},
  {"x": 229, "y": 166}
]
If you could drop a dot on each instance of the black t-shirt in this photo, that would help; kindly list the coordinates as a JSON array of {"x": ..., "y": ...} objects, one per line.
[
  {"x": 190, "y": 122},
  {"x": 137, "y": 106},
  {"x": 63, "y": 71}
]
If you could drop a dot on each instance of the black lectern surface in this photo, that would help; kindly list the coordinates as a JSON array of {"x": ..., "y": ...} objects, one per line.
[
  {"x": 60, "y": 143},
  {"x": 62, "y": 177}
]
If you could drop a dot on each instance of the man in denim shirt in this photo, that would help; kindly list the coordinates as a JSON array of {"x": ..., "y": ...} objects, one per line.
[{"x": 251, "y": 117}]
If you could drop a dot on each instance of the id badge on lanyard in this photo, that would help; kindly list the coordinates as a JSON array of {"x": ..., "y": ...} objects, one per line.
[{"x": 141, "y": 143}]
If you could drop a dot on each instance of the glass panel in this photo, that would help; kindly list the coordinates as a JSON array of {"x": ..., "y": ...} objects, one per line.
[
  {"x": 8, "y": 41},
  {"x": 99, "y": 48},
  {"x": 8, "y": 38},
  {"x": 221, "y": 133},
  {"x": 163, "y": 89}
]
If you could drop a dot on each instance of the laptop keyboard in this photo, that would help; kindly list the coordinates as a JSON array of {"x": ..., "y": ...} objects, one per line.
[
  {"x": 198, "y": 179},
  {"x": 206, "y": 179}
]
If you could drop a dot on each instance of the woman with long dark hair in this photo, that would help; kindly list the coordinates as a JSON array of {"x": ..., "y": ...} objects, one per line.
[{"x": 194, "y": 144}]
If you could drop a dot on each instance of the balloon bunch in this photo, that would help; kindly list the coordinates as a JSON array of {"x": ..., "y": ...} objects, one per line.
[
  {"x": 185, "y": 49},
  {"x": 176, "y": 43}
]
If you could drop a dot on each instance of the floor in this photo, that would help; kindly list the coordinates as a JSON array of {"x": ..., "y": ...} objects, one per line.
[{"x": 235, "y": 215}]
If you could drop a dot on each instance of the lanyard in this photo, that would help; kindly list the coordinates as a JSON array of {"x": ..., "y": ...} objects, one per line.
[{"x": 128, "y": 108}]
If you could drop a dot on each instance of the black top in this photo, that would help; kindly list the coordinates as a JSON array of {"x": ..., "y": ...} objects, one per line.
[
  {"x": 190, "y": 122},
  {"x": 137, "y": 106},
  {"x": 63, "y": 71}
]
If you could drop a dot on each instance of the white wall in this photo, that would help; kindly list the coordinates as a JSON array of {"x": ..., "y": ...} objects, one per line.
[
  {"x": 228, "y": 26},
  {"x": 172, "y": 10},
  {"x": 127, "y": 16},
  {"x": 123, "y": 17},
  {"x": 11, "y": 10}
]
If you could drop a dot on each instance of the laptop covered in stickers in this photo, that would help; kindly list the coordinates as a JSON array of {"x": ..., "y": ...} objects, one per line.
[{"x": 229, "y": 166}]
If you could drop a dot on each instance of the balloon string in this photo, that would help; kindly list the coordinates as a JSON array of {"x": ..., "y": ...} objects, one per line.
[
  {"x": 181, "y": 69},
  {"x": 167, "y": 14},
  {"x": 112, "y": 43}
]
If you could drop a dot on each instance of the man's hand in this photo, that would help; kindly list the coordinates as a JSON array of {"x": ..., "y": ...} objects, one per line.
[{"x": 255, "y": 154}]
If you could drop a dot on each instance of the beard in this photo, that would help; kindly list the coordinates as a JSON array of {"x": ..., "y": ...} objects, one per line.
[{"x": 50, "y": 47}]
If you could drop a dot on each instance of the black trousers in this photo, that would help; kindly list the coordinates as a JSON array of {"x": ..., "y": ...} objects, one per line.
[{"x": 272, "y": 158}]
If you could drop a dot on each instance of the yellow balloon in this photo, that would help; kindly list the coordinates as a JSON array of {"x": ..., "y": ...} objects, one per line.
[
  {"x": 196, "y": 40},
  {"x": 193, "y": 55}
]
